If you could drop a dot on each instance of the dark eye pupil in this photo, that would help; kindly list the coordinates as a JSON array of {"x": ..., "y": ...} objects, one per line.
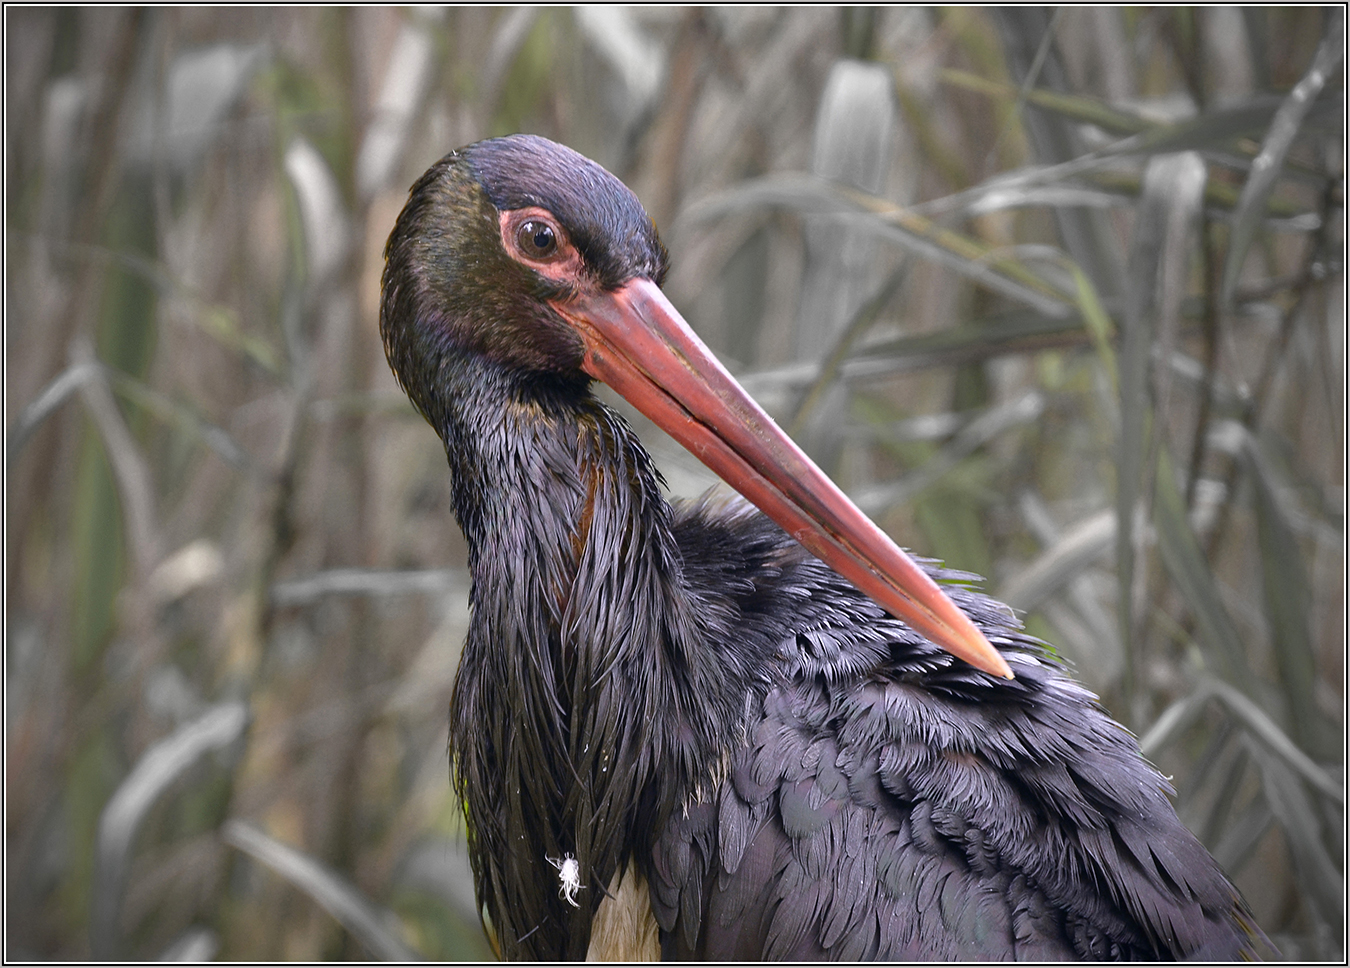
[{"x": 537, "y": 237}]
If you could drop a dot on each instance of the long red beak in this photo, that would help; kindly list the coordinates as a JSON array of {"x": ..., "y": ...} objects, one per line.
[{"x": 639, "y": 344}]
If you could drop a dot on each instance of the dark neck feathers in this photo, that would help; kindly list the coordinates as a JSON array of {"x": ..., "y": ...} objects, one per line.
[{"x": 585, "y": 647}]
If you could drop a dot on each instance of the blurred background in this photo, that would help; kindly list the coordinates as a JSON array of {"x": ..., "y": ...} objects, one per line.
[{"x": 1056, "y": 294}]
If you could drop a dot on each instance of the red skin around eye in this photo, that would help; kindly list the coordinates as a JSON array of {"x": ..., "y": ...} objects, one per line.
[{"x": 563, "y": 265}]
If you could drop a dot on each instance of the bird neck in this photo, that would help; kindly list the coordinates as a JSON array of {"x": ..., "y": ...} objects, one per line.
[
  {"x": 560, "y": 505},
  {"x": 585, "y": 664}
]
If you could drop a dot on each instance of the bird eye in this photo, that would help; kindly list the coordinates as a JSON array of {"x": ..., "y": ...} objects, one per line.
[{"x": 537, "y": 239}]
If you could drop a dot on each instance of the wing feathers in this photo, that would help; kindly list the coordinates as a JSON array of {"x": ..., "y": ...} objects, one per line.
[{"x": 891, "y": 803}]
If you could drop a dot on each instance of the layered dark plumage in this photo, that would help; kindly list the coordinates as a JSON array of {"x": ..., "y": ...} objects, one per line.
[{"x": 793, "y": 771}]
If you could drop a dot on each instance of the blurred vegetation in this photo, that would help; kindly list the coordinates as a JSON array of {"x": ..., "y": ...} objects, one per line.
[{"x": 1024, "y": 281}]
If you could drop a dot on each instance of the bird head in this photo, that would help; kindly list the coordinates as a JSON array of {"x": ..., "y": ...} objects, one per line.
[
  {"x": 525, "y": 255},
  {"x": 493, "y": 239}
]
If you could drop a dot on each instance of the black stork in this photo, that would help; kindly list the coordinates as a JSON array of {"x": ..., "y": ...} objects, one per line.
[{"x": 677, "y": 730}]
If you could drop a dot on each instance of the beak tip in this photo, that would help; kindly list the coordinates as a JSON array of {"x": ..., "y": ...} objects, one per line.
[
  {"x": 964, "y": 639},
  {"x": 991, "y": 662}
]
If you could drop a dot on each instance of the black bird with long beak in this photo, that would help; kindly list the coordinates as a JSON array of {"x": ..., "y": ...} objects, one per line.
[{"x": 699, "y": 731}]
